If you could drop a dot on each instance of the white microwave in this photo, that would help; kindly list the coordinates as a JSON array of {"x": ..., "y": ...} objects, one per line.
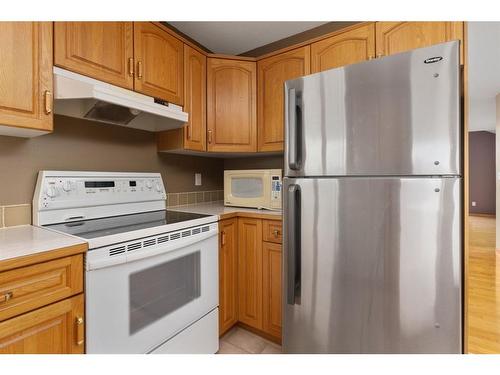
[{"x": 255, "y": 188}]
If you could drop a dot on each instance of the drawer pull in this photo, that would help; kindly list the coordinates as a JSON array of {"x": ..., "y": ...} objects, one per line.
[
  {"x": 79, "y": 330},
  {"x": 6, "y": 297},
  {"x": 276, "y": 233}
]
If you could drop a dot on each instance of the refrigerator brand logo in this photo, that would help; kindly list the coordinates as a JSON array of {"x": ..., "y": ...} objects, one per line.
[{"x": 431, "y": 60}]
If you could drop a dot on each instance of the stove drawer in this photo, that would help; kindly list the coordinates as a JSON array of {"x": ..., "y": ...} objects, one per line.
[{"x": 27, "y": 288}]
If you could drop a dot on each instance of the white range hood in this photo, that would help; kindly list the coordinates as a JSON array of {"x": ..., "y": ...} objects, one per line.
[{"x": 79, "y": 96}]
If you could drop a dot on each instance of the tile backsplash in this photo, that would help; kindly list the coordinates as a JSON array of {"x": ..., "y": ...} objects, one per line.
[{"x": 20, "y": 214}]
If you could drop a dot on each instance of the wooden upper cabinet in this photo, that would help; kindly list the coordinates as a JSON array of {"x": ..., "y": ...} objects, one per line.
[
  {"x": 26, "y": 93},
  {"x": 395, "y": 37},
  {"x": 158, "y": 60},
  {"x": 273, "y": 72},
  {"x": 347, "y": 48},
  {"x": 231, "y": 105},
  {"x": 195, "y": 99},
  {"x": 228, "y": 274},
  {"x": 250, "y": 271},
  {"x": 101, "y": 50},
  {"x": 54, "y": 329},
  {"x": 272, "y": 290}
]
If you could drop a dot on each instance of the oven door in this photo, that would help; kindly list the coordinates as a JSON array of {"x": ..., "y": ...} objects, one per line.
[{"x": 138, "y": 301}]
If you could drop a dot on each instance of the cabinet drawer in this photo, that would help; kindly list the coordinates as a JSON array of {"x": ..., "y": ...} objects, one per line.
[
  {"x": 27, "y": 288},
  {"x": 272, "y": 231}
]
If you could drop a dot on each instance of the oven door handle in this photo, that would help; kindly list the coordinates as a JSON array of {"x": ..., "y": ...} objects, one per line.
[{"x": 104, "y": 260}]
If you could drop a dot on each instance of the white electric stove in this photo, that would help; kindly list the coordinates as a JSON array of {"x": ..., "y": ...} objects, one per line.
[{"x": 151, "y": 282}]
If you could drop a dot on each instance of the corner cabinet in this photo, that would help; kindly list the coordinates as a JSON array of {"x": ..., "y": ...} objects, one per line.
[
  {"x": 231, "y": 105},
  {"x": 228, "y": 274},
  {"x": 350, "y": 47},
  {"x": 101, "y": 50},
  {"x": 158, "y": 58},
  {"x": 272, "y": 74},
  {"x": 395, "y": 37},
  {"x": 26, "y": 94}
]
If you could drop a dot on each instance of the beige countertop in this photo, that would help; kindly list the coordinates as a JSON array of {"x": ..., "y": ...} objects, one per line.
[
  {"x": 27, "y": 240},
  {"x": 226, "y": 212}
]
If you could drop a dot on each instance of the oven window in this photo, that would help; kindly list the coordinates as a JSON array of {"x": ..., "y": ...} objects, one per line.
[
  {"x": 247, "y": 187},
  {"x": 157, "y": 291}
]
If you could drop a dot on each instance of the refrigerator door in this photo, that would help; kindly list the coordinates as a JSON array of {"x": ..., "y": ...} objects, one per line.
[
  {"x": 372, "y": 265},
  {"x": 397, "y": 115}
]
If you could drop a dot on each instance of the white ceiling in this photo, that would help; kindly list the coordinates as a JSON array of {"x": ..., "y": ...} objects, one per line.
[
  {"x": 484, "y": 74},
  {"x": 233, "y": 38}
]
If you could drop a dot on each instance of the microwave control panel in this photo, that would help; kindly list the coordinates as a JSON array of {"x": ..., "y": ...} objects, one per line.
[{"x": 275, "y": 191}]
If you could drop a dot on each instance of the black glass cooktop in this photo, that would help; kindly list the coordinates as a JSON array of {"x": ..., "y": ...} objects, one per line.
[{"x": 126, "y": 223}]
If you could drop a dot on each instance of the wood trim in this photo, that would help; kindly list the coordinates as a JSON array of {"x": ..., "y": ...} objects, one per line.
[
  {"x": 466, "y": 189},
  {"x": 251, "y": 215},
  {"x": 313, "y": 40},
  {"x": 230, "y": 57},
  {"x": 259, "y": 332},
  {"x": 27, "y": 260},
  {"x": 171, "y": 140}
]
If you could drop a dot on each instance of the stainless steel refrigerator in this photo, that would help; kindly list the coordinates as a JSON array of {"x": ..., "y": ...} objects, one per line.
[{"x": 372, "y": 203}]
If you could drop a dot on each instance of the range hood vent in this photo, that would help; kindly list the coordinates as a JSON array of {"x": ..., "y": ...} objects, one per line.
[{"x": 79, "y": 96}]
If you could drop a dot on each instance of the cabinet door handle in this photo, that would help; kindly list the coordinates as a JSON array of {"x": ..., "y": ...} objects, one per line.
[
  {"x": 210, "y": 136},
  {"x": 48, "y": 102},
  {"x": 188, "y": 131},
  {"x": 139, "y": 69},
  {"x": 223, "y": 238},
  {"x": 6, "y": 297},
  {"x": 276, "y": 232},
  {"x": 131, "y": 66},
  {"x": 79, "y": 330}
]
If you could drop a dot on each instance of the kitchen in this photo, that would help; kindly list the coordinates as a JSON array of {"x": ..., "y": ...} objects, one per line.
[{"x": 161, "y": 194}]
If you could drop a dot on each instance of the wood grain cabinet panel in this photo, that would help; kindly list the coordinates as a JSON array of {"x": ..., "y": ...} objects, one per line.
[
  {"x": 272, "y": 74},
  {"x": 34, "y": 286},
  {"x": 272, "y": 231},
  {"x": 101, "y": 50},
  {"x": 26, "y": 75},
  {"x": 272, "y": 289},
  {"x": 231, "y": 105},
  {"x": 350, "y": 47},
  {"x": 228, "y": 274},
  {"x": 54, "y": 329},
  {"x": 250, "y": 272},
  {"x": 395, "y": 37},
  {"x": 158, "y": 60}
]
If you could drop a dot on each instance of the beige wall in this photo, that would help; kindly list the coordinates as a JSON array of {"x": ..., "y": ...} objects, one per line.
[{"x": 84, "y": 145}]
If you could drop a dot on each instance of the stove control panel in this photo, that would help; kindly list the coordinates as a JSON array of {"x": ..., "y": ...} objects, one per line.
[{"x": 65, "y": 190}]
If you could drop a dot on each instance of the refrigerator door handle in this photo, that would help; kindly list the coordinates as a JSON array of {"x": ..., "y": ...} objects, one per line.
[
  {"x": 294, "y": 242},
  {"x": 294, "y": 119}
]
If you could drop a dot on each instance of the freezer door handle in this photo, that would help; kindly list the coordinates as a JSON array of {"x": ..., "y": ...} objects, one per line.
[
  {"x": 294, "y": 242},
  {"x": 294, "y": 127}
]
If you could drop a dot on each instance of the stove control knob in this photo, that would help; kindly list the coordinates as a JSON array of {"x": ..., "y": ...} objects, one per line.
[
  {"x": 158, "y": 187},
  {"x": 66, "y": 185},
  {"x": 51, "y": 191},
  {"x": 149, "y": 184}
]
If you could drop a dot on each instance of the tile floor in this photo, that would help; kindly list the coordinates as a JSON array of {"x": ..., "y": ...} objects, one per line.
[{"x": 241, "y": 341}]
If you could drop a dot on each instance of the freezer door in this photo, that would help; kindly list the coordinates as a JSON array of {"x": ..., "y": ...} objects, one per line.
[
  {"x": 397, "y": 115},
  {"x": 372, "y": 265}
]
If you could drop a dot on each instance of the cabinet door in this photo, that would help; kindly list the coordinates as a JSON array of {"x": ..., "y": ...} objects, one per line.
[
  {"x": 250, "y": 271},
  {"x": 343, "y": 49},
  {"x": 228, "y": 272},
  {"x": 26, "y": 76},
  {"x": 395, "y": 37},
  {"x": 54, "y": 329},
  {"x": 195, "y": 96},
  {"x": 159, "y": 63},
  {"x": 231, "y": 105},
  {"x": 272, "y": 293},
  {"x": 273, "y": 72},
  {"x": 101, "y": 50}
]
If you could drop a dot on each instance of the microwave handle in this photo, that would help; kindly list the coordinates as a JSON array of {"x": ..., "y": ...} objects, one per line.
[{"x": 294, "y": 130}]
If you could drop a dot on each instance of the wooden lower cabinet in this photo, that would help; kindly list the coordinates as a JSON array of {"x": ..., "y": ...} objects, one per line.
[
  {"x": 272, "y": 290},
  {"x": 250, "y": 271},
  {"x": 228, "y": 274},
  {"x": 54, "y": 329}
]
